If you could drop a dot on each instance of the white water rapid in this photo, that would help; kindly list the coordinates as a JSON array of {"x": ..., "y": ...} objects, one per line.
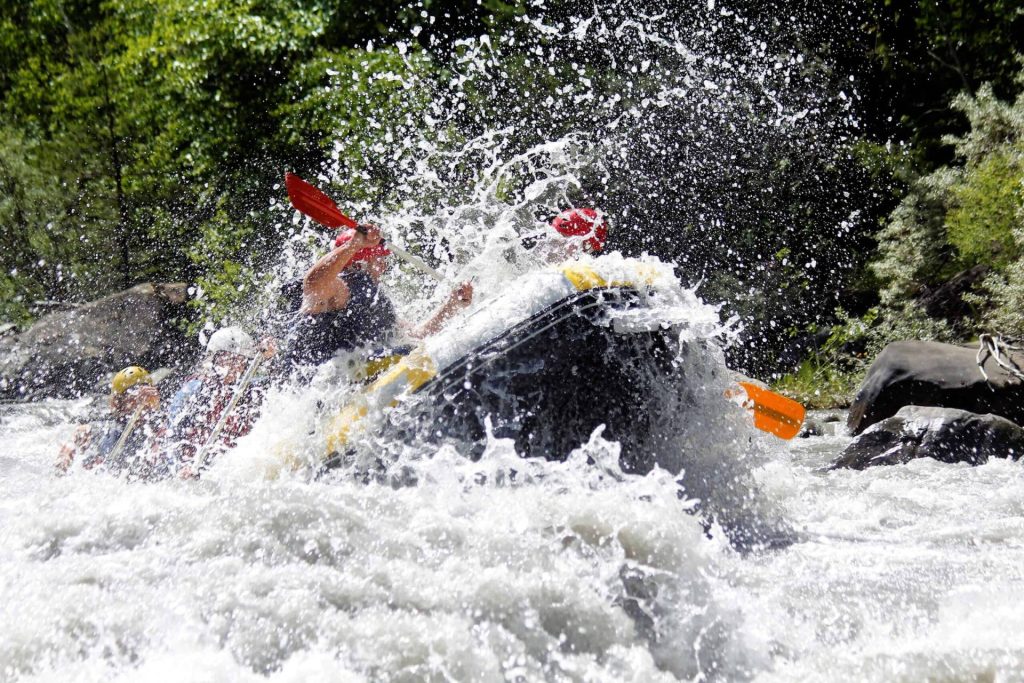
[
  {"x": 895, "y": 573},
  {"x": 566, "y": 571}
]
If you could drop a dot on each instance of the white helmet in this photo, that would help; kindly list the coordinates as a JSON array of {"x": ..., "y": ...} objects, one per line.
[{"x": 233, "y": 340}]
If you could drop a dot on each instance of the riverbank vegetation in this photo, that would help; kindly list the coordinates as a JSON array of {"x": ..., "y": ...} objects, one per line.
[{"x": 146, "y": 141}]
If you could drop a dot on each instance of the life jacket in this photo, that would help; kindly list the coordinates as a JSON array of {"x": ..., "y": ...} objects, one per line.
[
  {"x": 108, "y": 432},
  {"x": 195, "y": 410},
  {"x": 291, "y": 296},
  {"x": 136, "y": 456},
  {"x": 368, "y": 318}
]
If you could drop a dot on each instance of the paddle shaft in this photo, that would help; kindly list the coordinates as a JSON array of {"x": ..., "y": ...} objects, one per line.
[
  {"x": 246, "y": 380},
  {"x": 322, "y": 209},
  {"x": 115, "y": 454},
  {"x": 413, "y": 261}
]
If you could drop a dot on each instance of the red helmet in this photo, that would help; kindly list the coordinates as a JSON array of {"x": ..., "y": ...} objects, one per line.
[
  {"x": 583, "y": 222},
  {"x": 364, "y": 254}
]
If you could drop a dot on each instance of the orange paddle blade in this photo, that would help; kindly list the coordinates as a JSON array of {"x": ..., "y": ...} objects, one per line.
[
  {"x": 315, "y": 203},
  {"x": 774, "y": 413}
]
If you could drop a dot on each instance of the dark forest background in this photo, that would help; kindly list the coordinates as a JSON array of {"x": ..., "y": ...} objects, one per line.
[{"x": 144, "y": 141}]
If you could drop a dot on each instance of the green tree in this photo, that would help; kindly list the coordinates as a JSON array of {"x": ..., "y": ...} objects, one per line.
[
  {"x": 923, "y": 54},
  {"x": 167, "y": 125},
  {"x": 964, "y": 214},
  {"x": 35, "y": 245}
]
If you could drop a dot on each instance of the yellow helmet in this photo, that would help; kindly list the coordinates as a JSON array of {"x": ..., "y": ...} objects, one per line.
[{"x": 128, "y": 378}]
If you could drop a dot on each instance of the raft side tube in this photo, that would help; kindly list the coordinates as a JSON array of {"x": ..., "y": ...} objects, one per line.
[
  {"x": 540, "y": 297},
  {"x": 549, "y": 382}
]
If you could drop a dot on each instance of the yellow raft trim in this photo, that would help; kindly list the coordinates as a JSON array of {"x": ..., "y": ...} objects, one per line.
[
  {"x": 405, "y": 377},
  {"x": 374, "y": 367},
  {"x": 584, "y": 277}
]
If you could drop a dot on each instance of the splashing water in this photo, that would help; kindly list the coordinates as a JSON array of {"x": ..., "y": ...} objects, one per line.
[
  {"x": 567, "y": 570},
  {"x": 699, "y": 131},
  {"x": 501, "y": 568}
]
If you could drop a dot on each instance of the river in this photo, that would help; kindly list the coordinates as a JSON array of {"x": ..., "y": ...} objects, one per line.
[
  {"x": 564, "y": 572},
  {"x": 896, "y": 573}
]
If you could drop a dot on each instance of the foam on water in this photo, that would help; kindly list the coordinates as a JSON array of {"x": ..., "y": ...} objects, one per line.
[
  {"x": 569, "y": 571},
  {"x": 505, "y": 569},
  {"x": 907, "y": 573}
]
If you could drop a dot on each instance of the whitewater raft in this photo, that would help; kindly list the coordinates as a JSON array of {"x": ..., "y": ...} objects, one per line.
[{"x": 556, "y": 355}]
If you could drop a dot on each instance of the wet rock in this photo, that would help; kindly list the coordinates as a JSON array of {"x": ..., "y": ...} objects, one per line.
[
  {"x": 827, "y": 425},
  {"x": 65, "y": 353},
  {"x": 945, "y": 434},
  {"x": 933, "y": 374}
]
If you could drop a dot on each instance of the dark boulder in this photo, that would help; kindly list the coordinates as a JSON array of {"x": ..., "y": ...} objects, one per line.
[
  {"x": 64, "y": 354},
  {"x": 821, "y": 425},
  {"x": 945, "y": 434},
  {"x": 933, "y": 374}
]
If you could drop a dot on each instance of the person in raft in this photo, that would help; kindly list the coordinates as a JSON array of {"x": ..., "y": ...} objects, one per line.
[
  {"x": 342, "y": 307},
  {"x": 134, "y": 415},
  {"x": 199, "y": 403},
  {"x": 582, "y": 230}
]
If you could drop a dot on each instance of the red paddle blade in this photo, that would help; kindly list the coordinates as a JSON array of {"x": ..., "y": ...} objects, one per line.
[{"x": 315, "y": 203}]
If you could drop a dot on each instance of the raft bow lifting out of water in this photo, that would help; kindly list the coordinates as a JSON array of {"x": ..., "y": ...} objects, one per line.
[{"x": 555, "y": 356}]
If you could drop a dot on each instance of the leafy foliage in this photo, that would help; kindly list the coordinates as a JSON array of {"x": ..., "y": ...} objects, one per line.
[
  {"x": 146, "y": 140},
  {"x": 831, "y": 374},
  {"x": 913, "y": 248},
  {"x": 363, "y": 109},
  {"x": 923, "y": 54},
  {"x": 984, "y": 210},
  {"x": 30, "y": 229},
  {"x": 958, "y": 216},
  {"x": 149, "y": 139}
]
